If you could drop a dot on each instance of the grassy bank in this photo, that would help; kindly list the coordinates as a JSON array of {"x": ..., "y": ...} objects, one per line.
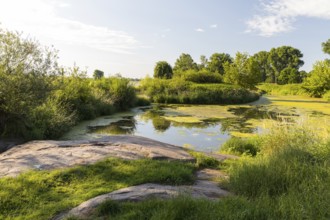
[
  {"x": 43, "y": 194},
  {"x": 284, "y": 175},
  {"x": 288, "y": 89},
  {"x": 179, "y": 91}
]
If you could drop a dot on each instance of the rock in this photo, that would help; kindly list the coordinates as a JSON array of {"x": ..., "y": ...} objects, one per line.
[
  {"x": 203, "y": 188},
  {"x": 44, "y": 155}
]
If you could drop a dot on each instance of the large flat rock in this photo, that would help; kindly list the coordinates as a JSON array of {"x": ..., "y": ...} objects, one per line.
[{"x": 50, "y": 154}]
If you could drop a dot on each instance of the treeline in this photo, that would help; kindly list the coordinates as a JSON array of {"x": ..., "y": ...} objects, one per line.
[
  {"x": 280, "y": 66},
  {"x": 39, "y": 99}
]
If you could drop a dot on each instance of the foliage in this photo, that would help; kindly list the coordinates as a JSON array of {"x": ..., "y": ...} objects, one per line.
[
  {"x": 326, "y": 47},
  {"x": 40, "y": 100},
  {"x": 317, "y": 82},
  {"x": 264, "y": 67},
  {"x": 179, "y": 91},
  {"x": 284, "y": 57},
  {"x": 98, "y": 74},
  {"x": 183, "y": 63},
  {"x": 204, "y": 161},
  {"x": 326, "y": 96},
  {"x": 242, "y": 72},
  {"x": 163, "y": 70},
  {"x": 288, "y": 89},
  {"x": 43, "y": 194},
  {"x": 241, "y": 146},
  {"x": 201, "y": 76},
  {"x": 217, "y": 61}
]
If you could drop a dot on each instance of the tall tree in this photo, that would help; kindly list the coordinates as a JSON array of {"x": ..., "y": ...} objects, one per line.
[
  {"x": 216, "y": 62},
  {"x": 184, "y": 62},
  {"x": 318, "y": 81},
  {"x": 264, "y": 67},
  {"x": 98, "y": 74},
  {"x": 203, "y": 63},
  {"x": 284, "y": 57},
  {"x": 163, "y": 70},
  {"x": 242, "y": 72},
  {"x": 326, "y": 46}
]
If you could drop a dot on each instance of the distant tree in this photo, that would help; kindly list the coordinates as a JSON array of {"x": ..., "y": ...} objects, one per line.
[
  {"x": 98, "y": 74},
  {"x": 242, "y": 72},
  {"x": 326, "y": 47},
  {"x": 216, "y": 62},
  {"x": 203, "y": 63},
  {"x": 163, "y": 70},
  {"x": 318, "y": 81},
  {"x": 288, "y": 76},
  {"x": 264, "y": 67},
  {"x": 183, "y": 63},
  {"x": 284, "y": 57}
]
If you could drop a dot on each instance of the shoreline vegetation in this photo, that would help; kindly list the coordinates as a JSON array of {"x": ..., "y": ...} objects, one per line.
[{"x": 283, "y": 174}]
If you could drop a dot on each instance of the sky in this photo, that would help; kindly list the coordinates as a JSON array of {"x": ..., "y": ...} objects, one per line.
[{"x": 130, "y": 36}]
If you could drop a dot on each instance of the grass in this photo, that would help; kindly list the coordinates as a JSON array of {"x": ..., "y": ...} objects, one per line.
[
  {"x": 43, "y": 194},
  {"x": 287, "y": 89},
  {"x": 288, "y": 179}
]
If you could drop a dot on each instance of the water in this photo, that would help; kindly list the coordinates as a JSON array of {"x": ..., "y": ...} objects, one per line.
[{"x": 206, "y": 135}]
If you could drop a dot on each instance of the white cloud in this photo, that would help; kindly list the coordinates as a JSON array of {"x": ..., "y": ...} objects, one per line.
[
  {"x": 38, "y": 18},
  {"x": 213, "y": 26},
  {"x": 278, "y": 16},
  {"x": 199, "y": 30}
]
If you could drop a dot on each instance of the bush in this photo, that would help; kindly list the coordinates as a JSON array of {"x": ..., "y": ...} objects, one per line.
[
  {"x": 201, "y": 76},
  {"x": 326, "y": 96},
  {"x": 288, "y": 89},
  {"x": 241, "y": 146},
  {"x": 179, "y": 91}
]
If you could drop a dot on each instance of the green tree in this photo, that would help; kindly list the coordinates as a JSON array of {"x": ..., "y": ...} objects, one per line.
[
  {"x": 264, "y": 67},
  {"x": 326, "y": 47},
  {"x": 216, "y": 62},
  {"x": 183, "y": 63},
  {"x": 26, "y": 73},
  {"x": 242, "y": 72},
  {"x": 203, "y": 63},
  {"x": 288, "y": 76},
  {"x": 163, "y": 70},
  {"x": 98, "y": 74},
  {"x": 317, "y": 82},
  {"x": 284, "y": 57}
]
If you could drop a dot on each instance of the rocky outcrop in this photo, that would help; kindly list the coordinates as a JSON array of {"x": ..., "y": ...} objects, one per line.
[
  {"x": 204, "y": 187},
  {"x": 43, "y": 155}
]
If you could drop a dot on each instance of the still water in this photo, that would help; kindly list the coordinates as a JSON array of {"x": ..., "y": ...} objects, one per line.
[{"x": 165, "y": 124}]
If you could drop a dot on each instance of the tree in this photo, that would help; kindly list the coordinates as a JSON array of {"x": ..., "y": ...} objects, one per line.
[
  {"x": 183, "y": 63},
  {"x": 163, "y": 70},
  {"x": 216, "y": 62},
  {"x": 242, "y": 72},
  {"x": 26, "y": 72},
  {"x": 289, "y": 75},
  {"x": 326, "y": 46},
  {"x": 318, "y": 81},
  {"x": 98, "y": 74},
  {"x": 264, "y": 67},
  {"x": 203, "y": 63},
  {"x": 284, "y": 57}
]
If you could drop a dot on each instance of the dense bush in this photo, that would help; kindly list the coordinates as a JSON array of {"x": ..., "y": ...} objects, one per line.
[
  {"x": 40, "y": 100},
  {"x": 201, "y": 76},
  {"x": 288, "y": 89},
  {"x": 317, "y": 82},
  {"x": 241, "y": 146},
  {"x": 180, "y": 91}
]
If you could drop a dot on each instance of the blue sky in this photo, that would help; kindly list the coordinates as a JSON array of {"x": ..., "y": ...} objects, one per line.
[{"x": 130, "y": 36}]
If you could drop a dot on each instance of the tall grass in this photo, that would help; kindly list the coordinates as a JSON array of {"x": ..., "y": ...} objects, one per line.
[
  {"x": 180, "y": 91},
  {"x": 288, "y": 178},
  {"x": 287, "y": 89}
]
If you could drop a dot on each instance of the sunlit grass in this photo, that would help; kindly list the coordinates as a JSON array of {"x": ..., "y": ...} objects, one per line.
[{"x": 43, "y": 194}]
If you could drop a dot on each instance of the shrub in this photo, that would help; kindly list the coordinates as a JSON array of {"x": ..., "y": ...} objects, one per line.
[{"x": 241, "y": 146}]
